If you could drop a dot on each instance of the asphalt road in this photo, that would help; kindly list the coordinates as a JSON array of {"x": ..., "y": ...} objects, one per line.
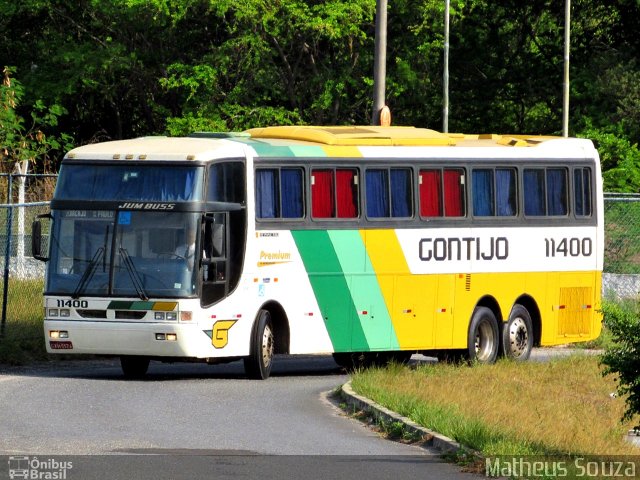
[{"x": 195, "y": 421}]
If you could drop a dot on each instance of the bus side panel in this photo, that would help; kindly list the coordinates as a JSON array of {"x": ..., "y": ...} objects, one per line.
[{"x": 330, "y": 287}]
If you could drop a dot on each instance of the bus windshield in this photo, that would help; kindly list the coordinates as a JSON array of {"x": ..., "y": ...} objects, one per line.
[
  {"x": 126, "y": 253},
  {"x": 130, "y": 182}
]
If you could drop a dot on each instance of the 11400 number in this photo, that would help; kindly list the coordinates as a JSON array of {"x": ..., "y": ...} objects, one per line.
[{"x": 568, "y": 247}]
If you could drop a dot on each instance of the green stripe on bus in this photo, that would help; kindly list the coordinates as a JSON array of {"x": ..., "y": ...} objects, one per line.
[
  {"x": 331, "y": 289},
  {"x": 308, "y": 151},
  {"x": 371, "y": 309},
  {"x": 127, "y": 305}
]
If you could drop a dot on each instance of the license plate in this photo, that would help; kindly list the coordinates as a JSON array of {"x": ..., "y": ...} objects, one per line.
[{"x": 58, "y": 345}]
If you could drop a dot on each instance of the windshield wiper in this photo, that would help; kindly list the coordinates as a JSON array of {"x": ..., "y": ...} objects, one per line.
[
  {"x": 133, "y": 273},
  {"x": 88, "y": 273}
]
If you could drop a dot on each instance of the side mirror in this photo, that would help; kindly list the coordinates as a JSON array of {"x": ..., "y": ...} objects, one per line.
[{"x": 36, "y": 238}]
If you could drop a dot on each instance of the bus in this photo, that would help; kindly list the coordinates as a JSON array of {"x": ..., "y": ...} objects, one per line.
[{"x": 368, "y": 243}]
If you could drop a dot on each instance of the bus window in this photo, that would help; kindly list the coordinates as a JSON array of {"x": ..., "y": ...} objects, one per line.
[
  {"x": 442, "y": 192},
  {"x": 545, "y": 191},
  {"x": 506, "y": 192},
  {"x": 389, "y": 193},
  {"x": 483, "y": 193},
  {"x": 494, "y": 192},
  {"x": 279, "y": 193},
  {"x": 334, "y": 193},
  {"x": 454, "y": 192},
  {"x": 582, "y": 187},
  {"x": 226, "y": 182},
  {"x": 557, "y": 191},
  {"x": 430, "y": 193},
  {"x": 534, "y": 192}
]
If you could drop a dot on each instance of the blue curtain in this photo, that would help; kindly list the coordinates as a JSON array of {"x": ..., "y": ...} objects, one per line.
[
  {"x": 505, "y": 192},
  {"x": 291, "y": 190},
  {"x": 139, "y": 183},
  {"x": 482, "y": 180},
  {"x": 582, "y": 182},
  {"x": 579, "y": 195},
  {"x": 534, "y": 197},
  {"x": 401, "y": 204},
  {"x": 266, "y": 193},
  {"x": 377, "y": 193},
  {"x": 557, "y": 191}
]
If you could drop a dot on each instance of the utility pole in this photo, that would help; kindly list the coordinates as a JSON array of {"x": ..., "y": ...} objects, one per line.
[
  {"x": 380, "y": 61},
  {"x": 445, "y": 74},
  {"x": 567, "y": 38}
]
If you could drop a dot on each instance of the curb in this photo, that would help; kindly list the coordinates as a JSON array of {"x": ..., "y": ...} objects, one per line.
[{"x": 433, "y": 439}]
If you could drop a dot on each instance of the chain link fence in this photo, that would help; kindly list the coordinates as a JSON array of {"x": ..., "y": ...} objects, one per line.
[
  {"x": 22, "y": 198},
  {"x": 621, "y": 277}
]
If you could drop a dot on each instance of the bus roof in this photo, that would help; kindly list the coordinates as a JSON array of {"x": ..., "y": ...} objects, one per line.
[{"x": 322, "y": 141}]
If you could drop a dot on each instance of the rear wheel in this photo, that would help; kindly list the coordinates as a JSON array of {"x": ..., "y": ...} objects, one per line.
[
  {"x": 517, "y": 334},
  {"x": 258, "y": 364},
  {"x": 483, "y": 339},
  {"x": 134, "y": 366}
]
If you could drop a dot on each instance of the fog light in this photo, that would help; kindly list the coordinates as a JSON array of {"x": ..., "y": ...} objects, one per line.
[
  {"x": 65, "y": 312},
  {"x": 64, "y": 334},
  {"x": 158, "y": 316},
  {"x": 160, "y": 336},
  {"x": 172, "y": 316},
  {"x": 54, "y": 334},
  {"x": 172, "y": 337},
  {"x": 53, "y": 312}
]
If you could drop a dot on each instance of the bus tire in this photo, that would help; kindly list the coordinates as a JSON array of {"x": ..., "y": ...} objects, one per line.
[
  {"x": 483, "y": 341},
  {"x": 258, "y": 364},
  {"x": 517, "y": 334},
  {"x": 133, "y": 366}
]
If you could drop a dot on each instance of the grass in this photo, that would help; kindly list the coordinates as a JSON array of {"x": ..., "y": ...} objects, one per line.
[
  {"x": 560, "y": 407},
  {"x": 23, "y": 340}
]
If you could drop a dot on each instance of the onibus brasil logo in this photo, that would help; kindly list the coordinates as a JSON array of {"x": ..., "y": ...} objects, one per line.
[{"x": 38, "y": 469}]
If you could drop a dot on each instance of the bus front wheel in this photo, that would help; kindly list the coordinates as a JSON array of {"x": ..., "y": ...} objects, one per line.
[
  {"x": 517, "y": 334},
  {"x": 258, "y": 364},
  {"x": 134, "y": 366},
  {"x": 483, "y": 340}
]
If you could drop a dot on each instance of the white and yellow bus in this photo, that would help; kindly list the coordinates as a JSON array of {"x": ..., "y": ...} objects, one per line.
[{"x": 369, "y": 243}]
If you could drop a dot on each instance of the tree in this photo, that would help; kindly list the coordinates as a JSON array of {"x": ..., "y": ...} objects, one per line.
[{"x": 22, "y": 140}]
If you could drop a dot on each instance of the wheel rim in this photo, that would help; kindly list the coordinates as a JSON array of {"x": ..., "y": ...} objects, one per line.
[
  {"x": 267, "y": 346},
  {"x": 518, "y": 337},
  {"x": 485, "y": 341}
]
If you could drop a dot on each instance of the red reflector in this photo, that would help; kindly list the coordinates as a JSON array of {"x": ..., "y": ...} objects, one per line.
[
  {"x": 239, "y": 315},
  {"x": 60, "y": 345},
  {"x": 364, "y": 312},
  {"x": 562, "y": 307}
]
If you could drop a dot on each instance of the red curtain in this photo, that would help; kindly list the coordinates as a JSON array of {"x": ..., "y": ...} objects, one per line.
[
  {"x": 453, "y": 193},
  {"x": 430, "y": 193},
  {"x": 322, "y": 194},
  {"x": 346, "y": 193}
]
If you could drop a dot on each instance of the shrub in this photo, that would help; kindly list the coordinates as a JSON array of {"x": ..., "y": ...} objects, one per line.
[{"x": 622, "y": 357}]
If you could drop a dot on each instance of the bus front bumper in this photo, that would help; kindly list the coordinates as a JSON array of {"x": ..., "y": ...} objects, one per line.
[{"x": 122, "y": 338}]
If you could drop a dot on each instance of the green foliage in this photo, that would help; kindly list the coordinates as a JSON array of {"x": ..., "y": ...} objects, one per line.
[
  {"x": 620, "y": 159},
  {"x": 26, "y": 140},
  {"x": 622, "y": 359}
]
